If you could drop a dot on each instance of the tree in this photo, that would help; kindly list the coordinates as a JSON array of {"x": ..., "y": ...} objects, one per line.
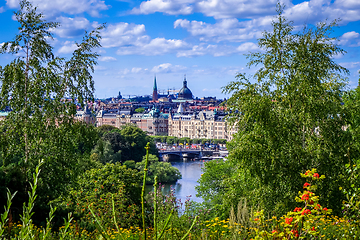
[
  {"x": 134, "y": 143},
  {"x": 41, "y": 90},
  {"x": 140, "y": 110},
  {"x": 290, "y": 118},
  {"x": 163, "y": 170},
  {"x": 97, "y": 187}
]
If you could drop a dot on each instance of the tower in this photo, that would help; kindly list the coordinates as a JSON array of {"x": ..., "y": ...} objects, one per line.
[{"x": 155, "y": 92}]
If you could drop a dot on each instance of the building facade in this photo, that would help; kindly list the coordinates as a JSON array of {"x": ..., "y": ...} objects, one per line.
[{"x": 205, "y": 124}]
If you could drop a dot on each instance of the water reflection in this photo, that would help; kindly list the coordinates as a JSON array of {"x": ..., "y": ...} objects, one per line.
[{"x": 191, "y": 172}]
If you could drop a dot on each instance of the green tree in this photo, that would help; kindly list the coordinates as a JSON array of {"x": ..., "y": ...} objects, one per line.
[
  {"x": 140, "y": 110},
  {"x": 41, "y": 90},
  {"x": 290, "y": 117},
  {"x": 104, "y": 129},
  {"x": 96, "y": 187},
  {"x": 134, "y": 143},
  {"x": 163, "y": 170}
]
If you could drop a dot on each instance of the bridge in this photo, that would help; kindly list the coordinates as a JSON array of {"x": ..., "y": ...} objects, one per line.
[{"x": 183, "y": 154}]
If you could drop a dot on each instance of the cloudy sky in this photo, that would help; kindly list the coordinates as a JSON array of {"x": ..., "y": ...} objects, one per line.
[{"x": 204, "y": 39}]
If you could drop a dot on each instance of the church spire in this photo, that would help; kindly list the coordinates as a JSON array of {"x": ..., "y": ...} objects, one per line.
[{"x": 155, "y": 92}]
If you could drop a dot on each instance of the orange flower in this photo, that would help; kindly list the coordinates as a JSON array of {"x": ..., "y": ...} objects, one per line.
[
  {"x": 288, "y": 220},
  {"x": 316, "y": 175}
]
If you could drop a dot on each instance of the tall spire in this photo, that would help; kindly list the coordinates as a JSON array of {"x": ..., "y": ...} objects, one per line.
[
  {"x": 155, "y": 92},
  {"x": 155, "y": 87}
]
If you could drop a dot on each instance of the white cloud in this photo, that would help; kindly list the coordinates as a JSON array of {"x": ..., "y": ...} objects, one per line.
[
  {"x": 247, "y": 47},
  {"x": 123, "y": 34},
  {"x": 314, "y": 11},
  {"x": 168, "y": 68},
  {"x": 350, "y": 35},
  {"x": 213, "y": 8},
  {"x": 157, "y": 46},
  {"x": 71, "y": 27},
  {"x": 100, "y": 68},
  {"x": 350, "y": 65},
  {"x": 236, "y": 8},
  {"x": 68, "y": 47},
  {"x": 2, "y": 9},
  {"x": 55, "y": 7},
  {"x": 172, "y": 7},
  {"x": 225, "y": 29},
  {"x": 351, "y": 39},
  {"x": 106, "y": 59}
]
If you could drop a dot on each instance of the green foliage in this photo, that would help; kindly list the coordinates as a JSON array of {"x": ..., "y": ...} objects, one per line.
[
  {"x": 105, "y": 129},
  {"x": 140, "y": 110},
  {"x": 312, "y": 221},
  {"x": 291, "y": 117},
  {"x": 223, "y": 178},
  {"x": 135, "y": 141},
  {"x": 41, "y": 90},
  {"x": 163, "y": 170},
  {"x": 119, "y": 145},
  {"x": 130, "y": 164},
  {"x": 351, "y": 205},
  {"x": 97, "y": 187},
  {"x": 184, "y": 140},
  {"x": 104, "y": 153}
]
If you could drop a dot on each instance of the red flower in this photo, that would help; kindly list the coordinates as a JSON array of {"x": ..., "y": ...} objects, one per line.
[
  {"x": 325, "y": 209},
  {"x": 295, "y": 232},
  {"x": 316, "y": 175},
  {"x": 297, "y": 209},
  {"x": 305, "y": 196},
  {"x": 306, "y": 211},
  {"x": 306, "y": 185},
  {"x": 256, "y": 219},
  {"x": 288, "y": 220},
  {"x": 311, "y": 202},
  {"x": 313, "y": 229},
  {"x": 274, "y": 231}
]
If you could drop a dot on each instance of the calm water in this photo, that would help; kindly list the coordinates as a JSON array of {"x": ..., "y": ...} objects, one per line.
[{"x": 191, "y": 172}]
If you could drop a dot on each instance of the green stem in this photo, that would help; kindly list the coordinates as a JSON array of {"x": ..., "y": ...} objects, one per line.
[
  {"x": 167, "y": 222},
  {"x": 143, "y": 189},
  {"x": 155, "y": 207},
  {"x": 99, "y": 227},
  {"x": 192, "y": 225}
]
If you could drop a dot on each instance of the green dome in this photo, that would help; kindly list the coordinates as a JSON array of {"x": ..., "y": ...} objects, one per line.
[{"x": 185, "y": 92}]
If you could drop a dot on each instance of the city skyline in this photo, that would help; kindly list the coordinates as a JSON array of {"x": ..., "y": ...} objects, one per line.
[{"x": 204, "y": 39}]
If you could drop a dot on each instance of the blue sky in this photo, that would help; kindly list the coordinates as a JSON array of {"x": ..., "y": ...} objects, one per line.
[{"x": 204, "y": 39}]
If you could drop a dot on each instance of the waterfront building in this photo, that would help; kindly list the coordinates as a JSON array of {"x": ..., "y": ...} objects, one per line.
[
  {"x": 153, "y": 122},
  {"x": 205, "y": 124}
]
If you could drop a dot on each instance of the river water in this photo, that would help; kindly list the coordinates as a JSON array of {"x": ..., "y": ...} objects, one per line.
[{"x": 191, "y": 172}]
